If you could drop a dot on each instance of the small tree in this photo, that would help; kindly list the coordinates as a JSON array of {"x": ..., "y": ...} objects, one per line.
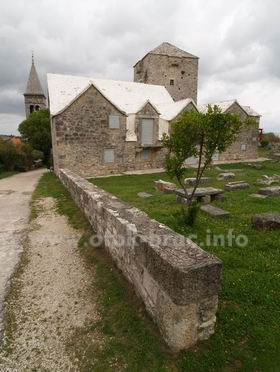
[
  {"x": 200, "y": 135},
  {"x": 36, "y": 130}
]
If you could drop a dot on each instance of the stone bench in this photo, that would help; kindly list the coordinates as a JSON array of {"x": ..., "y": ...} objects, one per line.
[
  {"x": 203, "y": 194},
  {"x": 177, "y": 281}
]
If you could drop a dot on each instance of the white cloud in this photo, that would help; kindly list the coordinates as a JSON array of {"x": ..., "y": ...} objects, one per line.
[{"x": 238, "y": 43}]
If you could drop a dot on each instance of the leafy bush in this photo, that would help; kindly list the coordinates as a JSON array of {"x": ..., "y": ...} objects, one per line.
[
  {"x": 17, "y": 157},
  {"x": 264, "y": 143}
]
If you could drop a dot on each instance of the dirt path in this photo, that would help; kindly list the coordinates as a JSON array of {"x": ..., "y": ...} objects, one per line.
[
  {"x": 15, "y": 196},
  {"x": 50, "y": 299}
]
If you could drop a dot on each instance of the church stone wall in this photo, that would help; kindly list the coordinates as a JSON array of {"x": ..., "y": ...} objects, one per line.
[
  {"x": 161, "y": 69},
  {"x": 81, "y": 133},
  {"x": 246, "y": 144},
  {"x": 177, "y": 281}
]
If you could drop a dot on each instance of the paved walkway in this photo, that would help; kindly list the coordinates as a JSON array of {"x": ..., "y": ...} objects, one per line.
[{"x": 15, "y": 197}]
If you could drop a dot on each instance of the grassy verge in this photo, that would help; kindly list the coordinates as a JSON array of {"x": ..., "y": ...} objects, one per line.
[
  {"x": 247, "y": 333},
  {"x": 6, "y": 174}
]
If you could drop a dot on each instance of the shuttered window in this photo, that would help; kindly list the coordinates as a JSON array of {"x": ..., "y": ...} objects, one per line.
[
  {"x": 114, "y": 121},
  {"x": 147, "y": 133},
  {"x": 109, "y": 155}
]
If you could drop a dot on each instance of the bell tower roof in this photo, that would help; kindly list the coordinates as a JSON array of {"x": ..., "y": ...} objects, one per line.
[{"x": 33, "y": 84}]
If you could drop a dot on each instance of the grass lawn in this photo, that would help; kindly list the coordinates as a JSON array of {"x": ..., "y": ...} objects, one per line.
[
  {"x": 248, "y": 321},
  {"x": 247, "y": 334},
  {"x": 6, "y": 174}
]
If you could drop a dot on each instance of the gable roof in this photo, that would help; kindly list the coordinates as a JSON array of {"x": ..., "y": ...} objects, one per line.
[
  {"x": 225, "y": 105},
  {"x": 128, "y": 97},
  {"x": 33, "y": 84},
  {"x": 170, "y": 110}
]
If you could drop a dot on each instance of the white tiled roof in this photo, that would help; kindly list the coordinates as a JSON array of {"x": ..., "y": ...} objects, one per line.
[
  {"x": 250, "y": 111},
  {"x": 170, "y": 110},
  {"x": 225, "y": 105},
  {"x": 128, "y": 97}
]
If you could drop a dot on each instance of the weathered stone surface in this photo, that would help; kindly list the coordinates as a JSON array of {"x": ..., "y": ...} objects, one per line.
[
  {"x": 164, "y": 186},
  {"x": 238, "y": 185},
  {"x": 266, "y": 221},
  {"x": 215, "y": 212},
  {"x": 274, "y": 190},
  {"x": 225, "y": 176},
  {"x": 258, "y": 196},
  {"x": 191, "y": 181},
  {"x": 144, "y": 195},
  {"x": 268, "y": 181},
  {"x": 175, "y": 278},
  {"x": 206, "y": 199},
  {"x": 201, "y": 192}
]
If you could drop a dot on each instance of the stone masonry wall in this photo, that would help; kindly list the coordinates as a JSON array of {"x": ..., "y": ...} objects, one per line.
[
  {"x": 246, "y": 144},
  {"x": 177, "y": 281},
  {"x": 160, "y": 69},
  {"x": 81, "y": 133}
]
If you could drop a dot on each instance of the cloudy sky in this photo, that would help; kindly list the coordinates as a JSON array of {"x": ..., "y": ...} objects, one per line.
[{"x": 238, "y": 43}]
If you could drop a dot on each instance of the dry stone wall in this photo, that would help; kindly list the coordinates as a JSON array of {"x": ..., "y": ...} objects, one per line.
[{"x": 177, "y": 281}]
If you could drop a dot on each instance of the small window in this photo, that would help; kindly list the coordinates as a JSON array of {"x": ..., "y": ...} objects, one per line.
[
  {"x": 31, "y": 108},
  {"x": 109, "y": 155},
  {"x": 171, "y": 82},
  {"x": 243, "y": 147},
  {"x": 114, "y": 121},
  {"x": 37, "y": 108}
]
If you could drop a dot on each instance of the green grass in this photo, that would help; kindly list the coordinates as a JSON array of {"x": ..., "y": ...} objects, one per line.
[
  {"x": 247, "y": 334},
  {"x": 6, "y": 174},
  {"x": 248, "y": 330}
]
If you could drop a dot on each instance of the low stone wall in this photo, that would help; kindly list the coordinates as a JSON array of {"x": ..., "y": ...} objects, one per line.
[{"x": 177, "y": 281}]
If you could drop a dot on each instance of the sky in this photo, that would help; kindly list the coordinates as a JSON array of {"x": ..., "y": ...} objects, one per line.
[{"x": 238, "y": 43}]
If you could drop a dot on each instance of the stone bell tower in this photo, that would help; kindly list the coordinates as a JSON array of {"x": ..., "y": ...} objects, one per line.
[{"x": 34, "y": 97}]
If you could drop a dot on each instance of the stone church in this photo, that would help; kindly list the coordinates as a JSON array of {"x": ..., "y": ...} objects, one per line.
[{"x": 102, "y": 127}]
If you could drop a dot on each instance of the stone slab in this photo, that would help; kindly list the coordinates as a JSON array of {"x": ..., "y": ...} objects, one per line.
[
  {"x": 266, "y": 221},
  {"x": 225, "y": 176},
  {"x": 201, "y": 191},
  {"x": 191, "y": 181},
  {"x": 238, "y": 185},
  {"x": 258, "y": 196},
  {"x": 164, "y": 186},
  {"x": 271, "y": 191},
  {"x": 144, "y": 195},
  {"x": 215, "y": 212}
]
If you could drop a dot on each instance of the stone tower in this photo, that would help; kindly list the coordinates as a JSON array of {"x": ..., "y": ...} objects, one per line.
[
  {"x": 171, "y": 67},
  {"x": 34, "y": 97}
]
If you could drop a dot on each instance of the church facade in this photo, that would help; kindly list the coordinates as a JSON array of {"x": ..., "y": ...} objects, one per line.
[{"x": 102, "y": 127}]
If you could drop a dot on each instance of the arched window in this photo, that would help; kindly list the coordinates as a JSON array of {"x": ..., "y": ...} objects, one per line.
[
  {"x": 31, "y": 108},
  {"x": 37, "y": 108}
]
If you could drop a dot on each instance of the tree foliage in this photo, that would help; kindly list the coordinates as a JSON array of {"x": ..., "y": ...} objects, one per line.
[
  {"x": 17, "y": 157},
  {"x": 200, "y": 135},
  {"x": 36, "y": 130}
]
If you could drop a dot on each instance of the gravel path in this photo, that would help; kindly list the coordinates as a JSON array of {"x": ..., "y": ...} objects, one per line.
[
  {"x": 50, "y": 300},
  {"x": 15, "y": 196}
]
